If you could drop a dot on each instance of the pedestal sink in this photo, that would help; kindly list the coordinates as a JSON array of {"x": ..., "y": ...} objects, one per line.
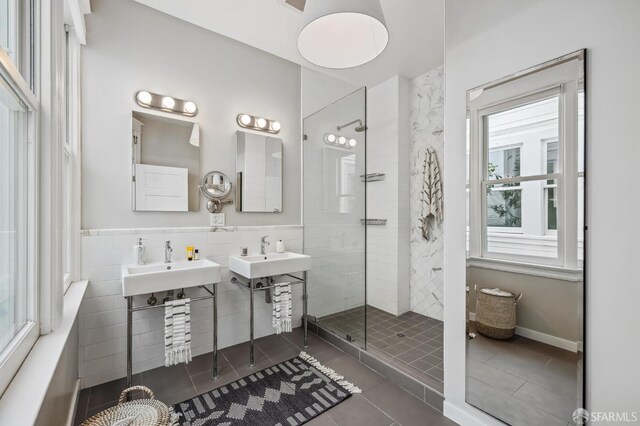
[
  {"x": 158, "y": 277},
  {"x": 268, "y": 265}
]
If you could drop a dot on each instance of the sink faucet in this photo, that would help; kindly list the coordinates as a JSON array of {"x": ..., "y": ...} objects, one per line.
[
  {"x": 167, "y": 252},
  {"x": 263, "y": 243}
]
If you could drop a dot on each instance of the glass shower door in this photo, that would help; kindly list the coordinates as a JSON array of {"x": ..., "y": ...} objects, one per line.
[{"x": 334, "y": 212}]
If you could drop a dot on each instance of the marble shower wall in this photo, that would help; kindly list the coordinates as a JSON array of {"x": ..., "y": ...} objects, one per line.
[{"x": 427, "y": 125}]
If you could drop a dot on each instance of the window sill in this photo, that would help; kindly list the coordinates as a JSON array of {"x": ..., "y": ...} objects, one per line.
[
  {"x": 554, "y": 272},
  {"x": 24, "y": 397}
]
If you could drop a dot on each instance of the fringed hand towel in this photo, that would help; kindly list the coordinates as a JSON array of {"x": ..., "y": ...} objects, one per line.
[
  {"x": 282, "y": 308},
  {"x": 431, "y": 195},
  {"x": 177, "y": 332}
]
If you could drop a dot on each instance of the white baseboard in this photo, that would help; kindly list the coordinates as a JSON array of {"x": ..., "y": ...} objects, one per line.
[
  {"x": 538, "y": 336},
  {"x": 74, "y": 404}
]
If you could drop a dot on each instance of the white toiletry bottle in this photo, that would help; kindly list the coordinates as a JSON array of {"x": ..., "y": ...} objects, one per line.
[
  {"x": 280, "y": 248},
  {"x": 138, "y": 253}
]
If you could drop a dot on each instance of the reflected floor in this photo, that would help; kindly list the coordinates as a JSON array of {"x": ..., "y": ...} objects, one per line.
[
  {"x": 522, "y": 381},
  {"x": 410, "y": 342}
]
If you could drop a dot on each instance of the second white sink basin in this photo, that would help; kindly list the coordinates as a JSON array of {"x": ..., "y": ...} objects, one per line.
[
  {"x": 156, "y": 277},
  {"x": 270, "y": 264}
]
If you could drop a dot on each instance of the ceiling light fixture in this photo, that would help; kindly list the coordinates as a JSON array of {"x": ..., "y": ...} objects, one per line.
[{"x": 342, "y": 34}]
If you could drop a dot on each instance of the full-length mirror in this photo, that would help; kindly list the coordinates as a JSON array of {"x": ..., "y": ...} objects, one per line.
[
  {"x": 165, "y": 166},
  {"x": 258, "y": 173},
  {"x": 525, "y": 280}
]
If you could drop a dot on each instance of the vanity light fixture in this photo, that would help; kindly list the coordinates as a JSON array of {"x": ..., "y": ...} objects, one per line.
[
  {"x": 166, "y": 103},
  {"x": 258, "y": 123},
  {"x": 339, "y": 141}
]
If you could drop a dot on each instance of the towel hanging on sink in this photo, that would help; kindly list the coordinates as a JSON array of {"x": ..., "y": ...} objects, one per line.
[
  {"x": 177, "y": 332},
  {"x": 431, "y": 195},
  {"x": 281, "y": 306}
]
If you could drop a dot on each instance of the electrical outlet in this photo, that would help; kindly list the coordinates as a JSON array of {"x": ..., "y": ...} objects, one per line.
[{"x": 217, "y": 219}]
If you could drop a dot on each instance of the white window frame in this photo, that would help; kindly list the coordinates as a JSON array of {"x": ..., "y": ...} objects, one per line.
[
  {"x": 500, "y": 229},
  {"x": 12, "y": 356},
  {"x": 562, "y": 78},
  {"x": 545, "y": 186}
]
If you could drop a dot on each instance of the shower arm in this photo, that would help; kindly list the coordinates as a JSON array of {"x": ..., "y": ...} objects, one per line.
[{"x": 359, "y": 121}]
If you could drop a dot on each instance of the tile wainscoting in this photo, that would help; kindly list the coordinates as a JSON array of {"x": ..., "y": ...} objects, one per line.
[{"x": 102, "y": 321}]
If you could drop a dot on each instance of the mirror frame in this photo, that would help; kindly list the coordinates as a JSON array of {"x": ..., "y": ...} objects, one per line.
[{"x": 472, "y": 94}]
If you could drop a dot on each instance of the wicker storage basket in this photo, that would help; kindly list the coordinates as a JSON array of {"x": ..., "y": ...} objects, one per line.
[
  {"x": 141, "y": 412},
  {"x": 496, "y": 313}
]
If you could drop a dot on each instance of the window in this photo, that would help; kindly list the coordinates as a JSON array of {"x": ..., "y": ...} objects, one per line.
[
  {"x": 67, "y": 167},
  {"x": 18, "y": 308},
  {"x": 525, "y": 150}
]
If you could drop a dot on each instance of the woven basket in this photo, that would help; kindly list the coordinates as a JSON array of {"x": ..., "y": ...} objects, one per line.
[
  {"x": 141, "y": 412},
  {"x": 496, "y": 313}
]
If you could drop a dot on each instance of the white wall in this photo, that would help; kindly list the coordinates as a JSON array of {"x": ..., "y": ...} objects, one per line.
[
  {"x": 132, "y": 47},
  {"x": 388, "y": 153},
  {"x": 490, "y": 39},
  {"x": 427, "y": 123}
]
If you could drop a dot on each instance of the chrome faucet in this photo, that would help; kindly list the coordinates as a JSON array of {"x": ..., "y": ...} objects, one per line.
[
  {"x": 263, "y": 243},
  {"x": 167, "y": 252}
]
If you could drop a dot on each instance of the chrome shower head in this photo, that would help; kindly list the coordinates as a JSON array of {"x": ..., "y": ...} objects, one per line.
[{"x": 360, "y": 128}]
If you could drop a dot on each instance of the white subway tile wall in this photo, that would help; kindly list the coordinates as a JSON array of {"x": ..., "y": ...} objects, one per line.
[{"x": 103, "y": 316}]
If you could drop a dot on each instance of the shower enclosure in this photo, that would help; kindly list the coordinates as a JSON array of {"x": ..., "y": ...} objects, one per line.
[{"x": 334, "y": 164}]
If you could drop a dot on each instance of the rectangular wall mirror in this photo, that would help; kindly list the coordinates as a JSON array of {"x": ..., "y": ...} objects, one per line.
[
  {"x": 525, "y": 264},
  {"x": 258, "y": 173},
  {"x": 165, "y": 163}
]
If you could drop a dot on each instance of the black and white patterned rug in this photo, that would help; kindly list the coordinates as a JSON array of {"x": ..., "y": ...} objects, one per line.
[{"x": 288, "y": 394}]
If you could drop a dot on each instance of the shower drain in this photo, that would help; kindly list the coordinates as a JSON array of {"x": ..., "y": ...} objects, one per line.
[{"x": 400, "y": 334}]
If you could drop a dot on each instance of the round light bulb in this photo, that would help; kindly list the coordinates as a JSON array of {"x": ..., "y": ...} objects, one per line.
[
  {"x": 261, "y": 122},
  {"x": 342, "y": 140},
  {"x": 352, "y": 143},
  {"x": 331, "y": 138},
  {"x": 276, "y": 126},
  {"x": 144, "y": 97},
  {"x": 168, "y": 102},
  {"x": 245, "y": 119},
  {"x": 190, "y": 107}
]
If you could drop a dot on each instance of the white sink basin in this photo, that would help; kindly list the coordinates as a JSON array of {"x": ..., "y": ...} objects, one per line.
[
  {"x": 156, "y": 277},
  {"x": 270, "y": 264}
]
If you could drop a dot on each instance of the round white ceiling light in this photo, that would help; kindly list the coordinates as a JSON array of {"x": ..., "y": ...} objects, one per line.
[{"x": 338, "y": 34}]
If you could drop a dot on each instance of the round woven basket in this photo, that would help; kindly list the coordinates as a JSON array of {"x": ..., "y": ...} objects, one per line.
[
  {"x": 141, "y": 412},
  {"x": 496, "y": 313}
]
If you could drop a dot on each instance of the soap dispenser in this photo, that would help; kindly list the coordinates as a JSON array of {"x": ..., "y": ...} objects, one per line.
[{"x": 138, "y": 253}]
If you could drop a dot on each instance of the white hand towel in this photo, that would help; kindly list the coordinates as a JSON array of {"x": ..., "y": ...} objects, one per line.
[
  {"x": 281, "y": 306},
  {"x": 177, "y": 332}
]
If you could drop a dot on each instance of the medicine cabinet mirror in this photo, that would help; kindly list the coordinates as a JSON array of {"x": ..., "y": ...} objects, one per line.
[
  {"x": 526, "y": 244},
  {"x": 258, "y": 173},
  {"x": 165, "y": 164}
]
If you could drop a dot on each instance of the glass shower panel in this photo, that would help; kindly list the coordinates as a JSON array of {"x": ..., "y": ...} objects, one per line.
[{"x": 334, "y": 211}]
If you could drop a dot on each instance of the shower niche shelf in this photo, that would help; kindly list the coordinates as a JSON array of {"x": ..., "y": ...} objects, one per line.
[
  {"x": 374, "y": 222},
  {"x": 372, "y": 177}
]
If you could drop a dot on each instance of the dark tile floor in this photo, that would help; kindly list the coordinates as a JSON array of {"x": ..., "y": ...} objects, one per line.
[
  {"x": 381, "y": 402},
  {"x": 522, "y": 381},
  {"x": 410, "y": 342}
]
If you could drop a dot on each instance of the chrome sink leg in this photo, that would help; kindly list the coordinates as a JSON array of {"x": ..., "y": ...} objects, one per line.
[
  {"x": 304, "y": 308},
  {"x": 251, "y": 360},
  {"x": 129, "y": 340},
  {"x": 214, "y": 374}
]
